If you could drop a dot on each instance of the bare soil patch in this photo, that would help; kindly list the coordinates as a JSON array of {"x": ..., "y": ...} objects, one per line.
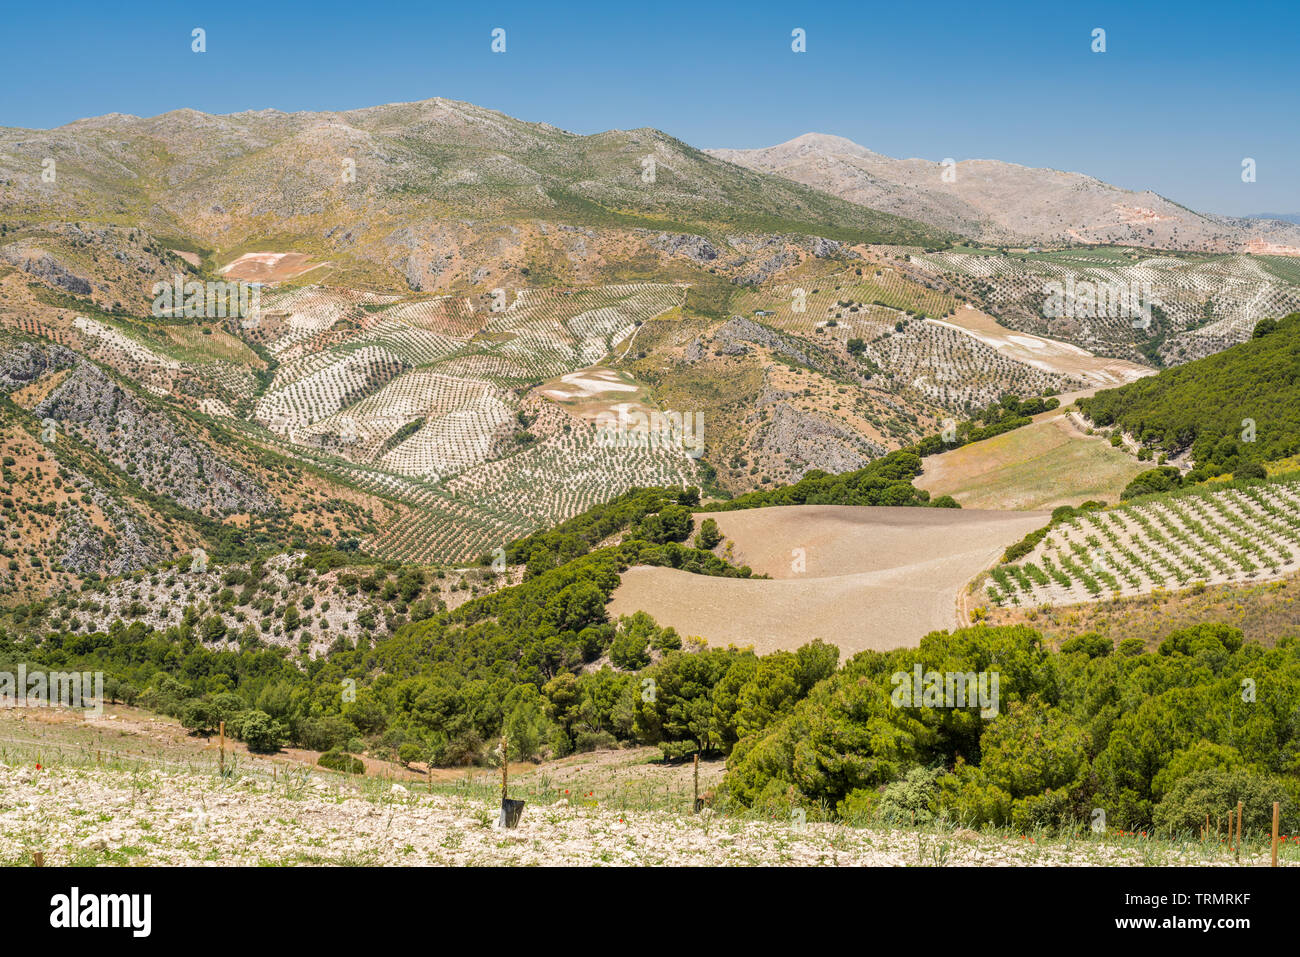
[
  {"x": 268, "y": 267},
  {"x": 1040, "y": 352},
  {"x": 871, "y": 578}
]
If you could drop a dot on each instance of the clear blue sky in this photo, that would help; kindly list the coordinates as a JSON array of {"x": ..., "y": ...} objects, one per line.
[{"x": 1184, "y": 92}]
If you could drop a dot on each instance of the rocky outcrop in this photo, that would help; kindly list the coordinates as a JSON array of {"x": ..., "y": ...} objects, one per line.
[
  {"x": 26, "y": 363},
  {"x": 87, "y": 549},
  {"x": 695, "y": 248},
  {"x": 144, "y": 442},
  {"x": 764, "y": 270},
  {"x": 39, "y": 263},
  {"x": 732, "y": 336},
  {"x": 825, "y": 248},
  {"x": 807, "y": 441}
]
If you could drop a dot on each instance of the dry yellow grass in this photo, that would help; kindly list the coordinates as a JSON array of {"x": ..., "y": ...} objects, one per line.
[{"x": 1039, "y": 466}]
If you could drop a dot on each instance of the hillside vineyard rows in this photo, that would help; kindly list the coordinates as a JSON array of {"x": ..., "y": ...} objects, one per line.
[{"x": 1202, "y": 536}]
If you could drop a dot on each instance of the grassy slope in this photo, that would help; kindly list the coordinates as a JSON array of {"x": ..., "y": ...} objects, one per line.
[
  {"x": 1038, "y": 466},
  {"x": 1266, "y": 611}
]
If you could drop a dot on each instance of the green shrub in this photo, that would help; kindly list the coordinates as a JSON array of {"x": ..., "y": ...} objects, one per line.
[
  {"x": 262, "y": 733},
  {"x": 1165, "y": 478},
  {"x": 594, "y": 741},
  {"x": 914, "y": 799},
  {"x": 1216, "y": 793},
  {"x": 1091, "y": 644},
  {"x": 337, "y": 760},
  {"x": 323, "y": 734},
  {"x": 859, "y": 806},
  {"x": 199, "y": 716},
  {"x": 708, "y": 537}
]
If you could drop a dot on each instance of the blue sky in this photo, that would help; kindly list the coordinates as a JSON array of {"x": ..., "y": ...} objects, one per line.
[{"x": 1182, "y": 94}]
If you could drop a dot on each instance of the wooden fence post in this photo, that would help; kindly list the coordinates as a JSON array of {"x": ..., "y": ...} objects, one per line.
[
  {"x": 222, "y": 759},
  {"x": 38, "y": 858},
  {"x": 1238, "y": 832},
  {"x": 505, "y": 765},
  {"x": 1276, "y": 808},
  {"x": 695, "y": 805}
]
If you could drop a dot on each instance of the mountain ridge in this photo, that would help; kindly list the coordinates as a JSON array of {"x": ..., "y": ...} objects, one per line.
[
  {"x": 416, "y": 185},
  {"x": 1000, "y": 202}
]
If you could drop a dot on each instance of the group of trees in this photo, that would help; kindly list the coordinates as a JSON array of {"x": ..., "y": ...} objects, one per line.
[
  {"x": 1153, "y": 740},
  {"x": 1238, "y": 406},
  {"x": 1006, "y": 414},
  {"x": 655, "y": 514},
  {"x": 886, "y": 481}
]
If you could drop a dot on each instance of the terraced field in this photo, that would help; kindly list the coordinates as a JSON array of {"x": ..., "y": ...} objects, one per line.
[
  {"x": 873, "y": 290},
  {"x": 1205, "y": 302},
  {"x": 1206, "y": 535},
  {"x": 1049, "y": 355},
  {"x": 895, "y": 325},
  {"x": 427, "y": 404}
]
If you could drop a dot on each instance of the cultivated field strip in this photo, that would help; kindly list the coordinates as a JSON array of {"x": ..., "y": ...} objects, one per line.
[
  {"x": 881, "y": 291},
  {"x": 497, "y": 501},
  {"x": 417, "y": 402},
  {"x": 1208, "y": 536},
  {"x": 1209, "y": 303},
  {"x": 935, "y": 363},
  {"x": 954, "y": 369}
]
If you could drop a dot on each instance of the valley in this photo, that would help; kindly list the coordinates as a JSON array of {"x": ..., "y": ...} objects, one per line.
[{"x": 368, "y": 439}]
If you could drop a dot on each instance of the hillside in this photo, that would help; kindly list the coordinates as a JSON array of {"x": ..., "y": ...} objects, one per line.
[
  {"x": 527, "y": 435},
  {"x": 1211, "y": 534},
  {"x": 606, "y": 808},
  {"x": 1049, "y": 463},
  {"x": 100, "y": 479},
  {"x": 857, "y": 577},
  {"x": 422, "y": 196},
  {"x": 997, "y": 202},
  {"x": 1241, "y": 405}
]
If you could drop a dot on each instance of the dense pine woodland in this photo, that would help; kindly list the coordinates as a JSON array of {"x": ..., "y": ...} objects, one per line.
[{"x": 1240, "y": 405}]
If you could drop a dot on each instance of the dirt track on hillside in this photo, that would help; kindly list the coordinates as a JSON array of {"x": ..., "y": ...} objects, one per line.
[
  {"x": 872, "y": 578},
  {"x": 1050, "y": 355}
]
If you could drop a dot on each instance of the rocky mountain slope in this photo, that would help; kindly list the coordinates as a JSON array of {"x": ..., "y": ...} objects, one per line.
[
  {"x": 997, "y": 202},
  {"x": 435, "y": 193}
]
